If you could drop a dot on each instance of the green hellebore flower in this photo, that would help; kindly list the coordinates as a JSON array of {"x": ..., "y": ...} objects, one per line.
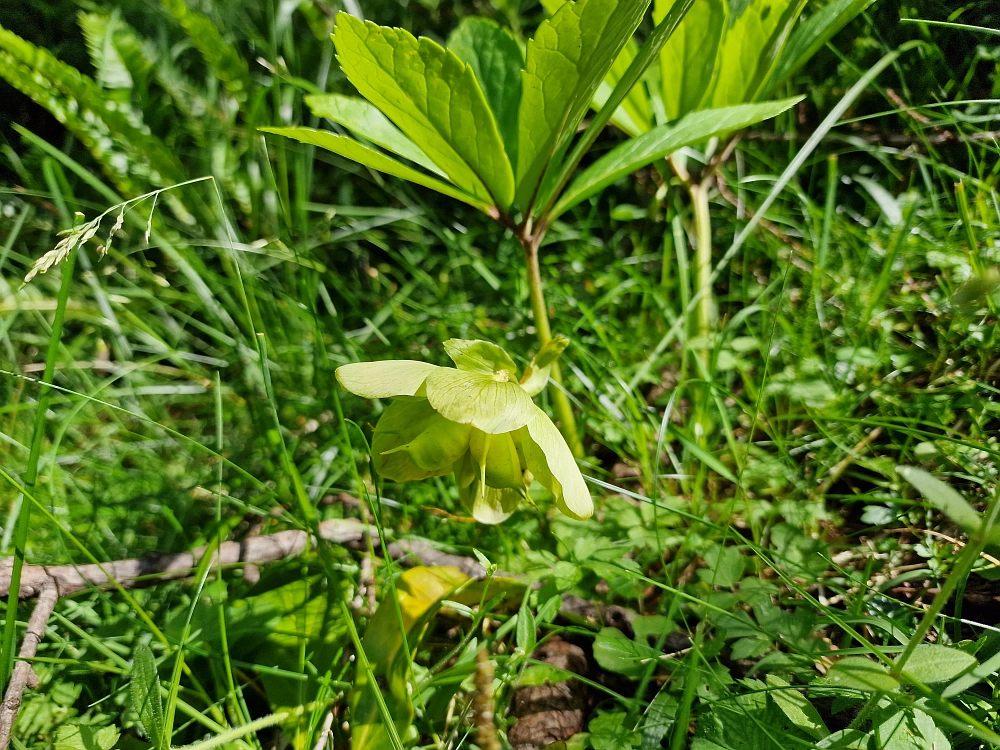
[{"x": 477, "y": 421}]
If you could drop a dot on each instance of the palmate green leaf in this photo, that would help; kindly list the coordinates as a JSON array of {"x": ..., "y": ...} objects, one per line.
[
  {"x": 810, "y": 36},
  {"x": 634, "y": 115},
  {"x": 488, "y": 404},
  {"x": 662, "y": 141},
  {"x": 567, "y": 59},
  {"x": 942, "y": 497},
  {"x": 366, "y": 121},
  {"x": 756, "y": 33},
  {"x": 83, "y": 737},
  {"x": 689, "y": 61},
  {"x": 434, "y": 98},
  {"x": 496, "y": 59},
  {"x": 369, "y": 157}
]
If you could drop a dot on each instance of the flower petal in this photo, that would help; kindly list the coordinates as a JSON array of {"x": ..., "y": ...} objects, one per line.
[
  {"x": 488, "y": 504},
  {"x": 391, "y": 377},
  {"x": 479, "y": 356},
  {"x": 405, "y": 423},
  {"x": 552, "y": 463},
  {"x": 478, "y": 399}
]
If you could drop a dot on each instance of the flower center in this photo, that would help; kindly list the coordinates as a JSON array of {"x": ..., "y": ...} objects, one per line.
[{"x": 501, "y": 376}]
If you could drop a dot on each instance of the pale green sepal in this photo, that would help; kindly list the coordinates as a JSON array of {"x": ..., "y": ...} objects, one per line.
[
  {"x": 552, "y": 463},
  {"x": 536, "y": 374},
  {"x": 490, "y": 506},
  {"x": 481, "y": 400},
  {"x": 391, "y": 377},
  {"x": 365, "y": 120},
  {"x": 405, "y": 421},
  {"x": 479, "y": 356},
  {"x": 498, "y": 460},
  {"x": 432, "y": 445}
]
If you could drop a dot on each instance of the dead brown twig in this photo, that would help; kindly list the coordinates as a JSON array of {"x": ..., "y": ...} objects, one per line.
[{"x": 23, "y": 674}]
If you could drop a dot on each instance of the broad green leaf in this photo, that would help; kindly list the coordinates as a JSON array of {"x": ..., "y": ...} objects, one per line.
[
  {"x": 846, "y": 739},
  {"x": 661, "y": 142},
  {"x": 859, "y": 673},
  {"x": 536, "y": 374},
  {"x": 491, "y": 405},
  {"x": 755, "y": 35},
  {"x": 526, "y": 635},
  {"x": 83, "y": 737},
  {"x": 496, "y": 59},
  {"x": 434, "y": 98},
  {"x": 146, "y": 701},
  {"x": 391, "y": 377},
  {"x": 690, "y": 59},
  {"x": 658, "y": 720},
  {"x": 797, "y": 707},
  {"x": 567, "y": 59},
  {"x": 365, "y": 120},
  {"x": 552, "y": 463},
  {"x": 413, "y": 442},
  {"x": 369, "y": 157},
  {"x": 810, "y": 36},
  {"x": 480, "y": 356},
  {"x": 420, "y": 592},
  {"x": 616, "y": 652},
  {"x": 608, "y": 732},
  {"x": 725, "y": 566},
  {"x": 931, "y": 663},
  {"x": 888, "y": 205},
  {"x": 989, "y": 667},
  {"x": 942, "y": 497}
]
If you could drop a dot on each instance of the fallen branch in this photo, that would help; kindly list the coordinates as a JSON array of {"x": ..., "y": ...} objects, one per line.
[
  {"x": 72, "y": 579},
  {"x": 23, "y": 674}
]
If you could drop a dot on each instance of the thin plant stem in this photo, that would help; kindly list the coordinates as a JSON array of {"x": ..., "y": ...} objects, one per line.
[
  {"x": 822, "y": 254},
  {"x": 31, "y": 471},
  {"x": 560, "y": 401}
]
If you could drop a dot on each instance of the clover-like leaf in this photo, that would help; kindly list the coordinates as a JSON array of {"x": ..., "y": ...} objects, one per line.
[
  {"x": 393, "y": 377},
  {"x": 489, "y": 404},
  {"x": 552, "y": 463}
]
